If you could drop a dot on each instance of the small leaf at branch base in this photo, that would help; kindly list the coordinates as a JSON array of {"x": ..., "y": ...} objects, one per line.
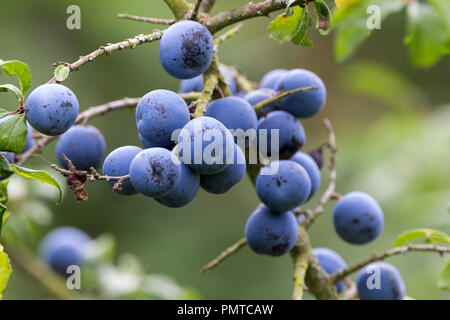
[
  {"x": 427, "y": 34},
  {"x": 13, "y": 134},
  {"x": 323, "y": 17},
  {"x": 61, "y": 73},
  {"x": 21, "y": 70},
  {"x": 12, "y": 88},
  {"x": 5, "y": 270},
  {"x": 300, "y": 37},
  {"x": 430, "y": 235},
  {"x": 284, "y": 27},
  {"x": 39, "y": 175},
  {"x": 444, "y": 279}
]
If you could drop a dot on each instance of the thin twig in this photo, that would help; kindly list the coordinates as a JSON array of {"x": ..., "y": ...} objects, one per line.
[
  {"x": 224, "y": 37},
  {"x": 224, "y": 255},
  {"x": 146, "y": 19},
  {"x": 392, "y": 252},
  {"x": 111, "y": 47},
  {"x": 93, "y": 176},
  {"x": 251, "y": 10},
  {"x": 280, "y": 96},
  {"x": 329, "y": 193},
  {"x": 196, "y": 9}
]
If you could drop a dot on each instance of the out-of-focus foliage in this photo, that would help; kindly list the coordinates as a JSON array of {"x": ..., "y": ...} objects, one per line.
[{"x": 397, "y": 154}]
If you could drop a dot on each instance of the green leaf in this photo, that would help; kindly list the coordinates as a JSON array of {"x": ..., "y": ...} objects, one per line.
[
  {"x": 323, "y": 17},
  {"x": 300, "y": 37},
  {"x": 21, "y": 70},
  {"x": 3, "y": 113},
  {"x": 61, "y": 73},
  {"x": 13, "y": 133},
  {"x": 12, "y": 88},
  {"x": 430, "y": 235},
  {"x": 444, "y": 279},
  {"x": 427, "y": 34},
  {"x": 284, "y": 27},
  {"x": 3, "y": 209},
  {"x": 5, "y": 270},
  {"x": 39, "y": 175},
  {"x": 5, "y": 169},
  {"x": 351, "y": 20}
]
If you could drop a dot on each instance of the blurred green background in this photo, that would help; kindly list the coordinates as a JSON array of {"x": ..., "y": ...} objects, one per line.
[{"x": 392, "y": 123}]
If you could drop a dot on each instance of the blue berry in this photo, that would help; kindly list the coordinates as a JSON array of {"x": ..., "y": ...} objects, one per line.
[
  {"x": 271, "y": 79},
  {"x": 155, "y": 172},
  {"x": 192, "y": 85},
  {"x": 185, "y": 190},
  {"x": 271, "y": 233},
  {"x": 196, "y": 84},
  {"x": 291, "y": 133},
  {"x": 331, "y": 262},
  {"x": 380, "y": 281},
  {"x": 358, "y": 219},
  {"x": 225, "y": 180},
  {"x": 261, "y": 95},
  {"x": 159, "y": 113},
  {"x": 52, "y": 109},
  {"x": 302, "y": 104},
  {"x": 186, "y": 49},
  {"x": 283, "y": 185},
  {"x": 117, "y": 164},
  {"x": 200, "y": 151},
  {"x": 146, "y": 143},
  {"x": 84, "y": 146},
  {"x": 310, "y": 165},
  {"x": 234, "y": 113},
  {"x": 64, "y": 247}
]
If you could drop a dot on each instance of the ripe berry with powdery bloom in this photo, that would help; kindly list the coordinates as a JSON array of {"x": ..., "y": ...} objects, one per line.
[
  {"x": 155, "y": 172},
  {"x": 117, "y": 164},
  {"x": 159, "y": 114},
  {"x": 199, "y": 148},
  {"x": 225, "y": 180},
  {"x": 283, "y": 185},
  {"x": 52, "y": 109},
  {"x": 186, "y": 49},
  {"x": 185, "y": 190},
  {"x": 235, "y": 114},
  {"x": 290, "y": 131},
  {"x": 358, "y": 219},
  {"x": 380, "y": 281},
  {"x": 84, "y": 146},
  {"x": 271, "y": 79},
  {"x": 271, "y": 233},
  {"x": 307, "y": 162},
  {"x": 302, "y": 104}
]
